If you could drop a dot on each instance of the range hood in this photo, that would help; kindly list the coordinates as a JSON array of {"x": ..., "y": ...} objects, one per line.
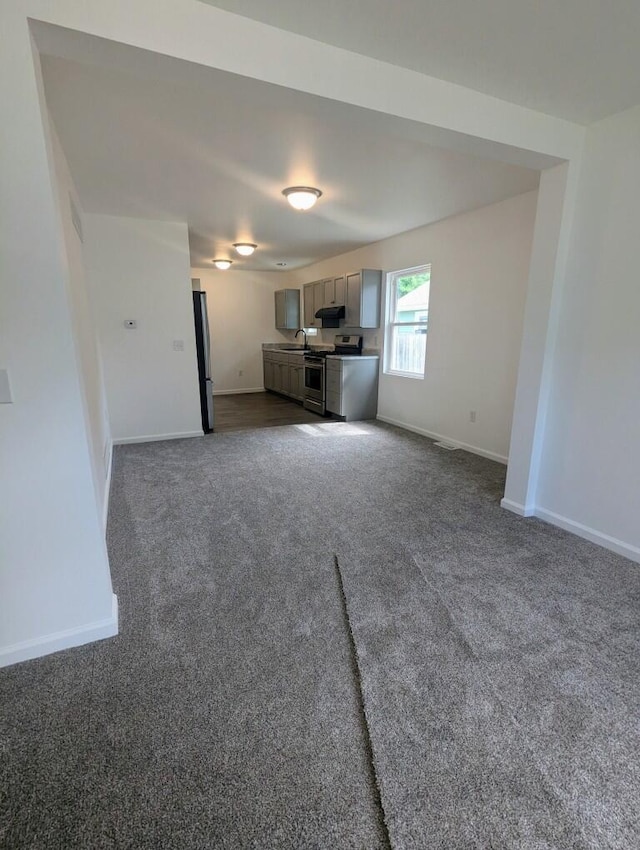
[{"x": 330, "y": 316}]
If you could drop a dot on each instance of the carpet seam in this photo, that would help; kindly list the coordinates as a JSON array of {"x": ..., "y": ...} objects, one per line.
[
  {"x": 547, "y": 781},
  {"x": 362, "y": 711}
]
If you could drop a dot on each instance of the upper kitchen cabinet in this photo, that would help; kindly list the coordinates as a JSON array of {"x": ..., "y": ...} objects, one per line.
[
  {"x": 335, "y": 292},
  {"x": 287, "y": 309},
  {"x": 362, "y": 306},
  {"x": 313, "y": 294}
]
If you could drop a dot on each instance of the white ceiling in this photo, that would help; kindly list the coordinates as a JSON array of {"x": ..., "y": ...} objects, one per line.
[
  {"x": 170, "y": 140},
  {"x": 575, "y": 59}
]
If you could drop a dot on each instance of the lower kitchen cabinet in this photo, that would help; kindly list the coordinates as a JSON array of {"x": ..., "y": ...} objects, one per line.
[
  {"x": 284, "y": 373},
  {"x": 352, "y": 387},
  {"x": 296, "y": 380},
  {"x": 268, "y": 368},
  {"x": 283, "y": 378}
]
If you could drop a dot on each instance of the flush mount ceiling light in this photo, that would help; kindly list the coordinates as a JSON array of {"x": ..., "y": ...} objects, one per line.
[
  {"x": 301, "y": 197},
  {"x": 246, "y": 249},
  {"x": 222, "y": 264}
]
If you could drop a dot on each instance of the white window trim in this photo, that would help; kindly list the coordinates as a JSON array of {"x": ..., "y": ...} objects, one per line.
[{"x": 389, "y": 325}]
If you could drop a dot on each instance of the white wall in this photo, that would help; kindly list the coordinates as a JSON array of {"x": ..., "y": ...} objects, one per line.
[
  {"x": 590, "y": 467},
  {"x": 139, "y": 269},
  {"x": 55, "y": 576},
  {"x": 547, "y": 270},
  {"x": 241, "y": 317},
  {"x": 55, "y": 587},
  {"x": 479, "y": 270},
  {"x": 85, "y": 334}
]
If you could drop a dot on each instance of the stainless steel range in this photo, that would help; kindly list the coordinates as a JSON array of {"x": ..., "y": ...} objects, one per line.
[{"x": 314, "y": 370}]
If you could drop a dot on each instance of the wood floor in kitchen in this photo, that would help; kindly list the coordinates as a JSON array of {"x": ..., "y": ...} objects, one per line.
[{"x": 257, "y": 410}]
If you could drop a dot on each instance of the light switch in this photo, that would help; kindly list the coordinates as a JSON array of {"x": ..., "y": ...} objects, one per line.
[
  {"x": 178, "y": 345},
  {"x": 131, "y": 324},
  {"x": 5, "y": 388}
]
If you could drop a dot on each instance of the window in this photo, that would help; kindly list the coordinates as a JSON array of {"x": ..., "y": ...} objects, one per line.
[{"x": 406, "y": 321}]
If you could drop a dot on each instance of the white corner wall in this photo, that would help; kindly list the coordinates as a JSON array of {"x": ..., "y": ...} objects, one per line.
[
  {"x": 85, "y": 334},
  {"x": 590, "y": 463},
  {"x": 139, "y": 269},
  {"x": 55, "y": 587},
  {"x": 241, "y": 317},
  {"x": 479, "y": 271}
]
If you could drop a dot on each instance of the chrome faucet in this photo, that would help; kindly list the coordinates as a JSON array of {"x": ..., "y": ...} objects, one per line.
[{"x": 304, "y": 333}]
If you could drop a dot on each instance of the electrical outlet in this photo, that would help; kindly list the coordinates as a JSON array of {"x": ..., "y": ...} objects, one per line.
[
  {"x": 472, "y": 416},
  {"x": 240, "y": 373},
  {"x": 178, "y": 345}
]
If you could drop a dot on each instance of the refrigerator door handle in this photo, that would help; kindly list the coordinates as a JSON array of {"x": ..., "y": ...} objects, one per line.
[
  {"x": 205, "y": 336},
  {"x": 209, "y": 390}
]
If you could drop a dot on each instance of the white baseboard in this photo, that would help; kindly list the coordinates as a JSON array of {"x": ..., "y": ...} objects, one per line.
[
  {"x": 107, "y": 488},
  {"x": 239, "y": 392},
  {"x": 65, "y": 639},
  {"x": 604, "y": 540},
  {"x": 444, "y": 438},
  {"x": 517, "y": 508},
  {"x": 152, "y": 438}
]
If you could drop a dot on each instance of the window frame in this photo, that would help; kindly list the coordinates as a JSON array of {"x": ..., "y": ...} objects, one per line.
[{"x": 390, "y": 324}]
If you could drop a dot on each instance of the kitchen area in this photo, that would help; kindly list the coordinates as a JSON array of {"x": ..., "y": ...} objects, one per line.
[{"x": 333, "y": 380}]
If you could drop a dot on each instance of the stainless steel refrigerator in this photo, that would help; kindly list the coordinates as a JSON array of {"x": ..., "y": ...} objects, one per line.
[{"x": 204, "y": 360}]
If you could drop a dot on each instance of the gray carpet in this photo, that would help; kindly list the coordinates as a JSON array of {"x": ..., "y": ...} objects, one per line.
[{"x": 497, "y": 659}]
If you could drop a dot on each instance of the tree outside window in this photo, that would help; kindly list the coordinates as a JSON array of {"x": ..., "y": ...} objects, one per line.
[{"x": 406, "y": 321}]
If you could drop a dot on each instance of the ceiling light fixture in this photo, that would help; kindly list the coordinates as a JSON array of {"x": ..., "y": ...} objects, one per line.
[
  {"x": 301, "y": 197},
  {"x": 245, "y": 249},
  {"x": 222, "y": 264}
]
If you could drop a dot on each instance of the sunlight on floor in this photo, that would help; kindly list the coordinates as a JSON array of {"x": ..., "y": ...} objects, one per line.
[{"x": 332, "y": 429}]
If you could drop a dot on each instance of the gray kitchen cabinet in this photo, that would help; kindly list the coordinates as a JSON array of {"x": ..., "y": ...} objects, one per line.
[
  {"x": 287, "y": 309},
  {"x": 283, "y": 373},
  {"x": 362, "y": 306},
  {"x": 313, "y": 301},
  {"x": 307, "y": 297},
  {"x": 284, "y": 378},
  {"x": 352, "y": 387},
  {"x": 307, "y": 305},
  {"x": 334, "y": 291},
  {"x": 318, "y": 300},
  {"x": 268, "y": 368},
  {"x": 277, "y": 380},
  {"x": 296, "y": 379}
]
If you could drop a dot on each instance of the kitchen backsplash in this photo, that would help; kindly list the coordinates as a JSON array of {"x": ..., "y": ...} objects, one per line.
[{"x": 371, "y": 339}]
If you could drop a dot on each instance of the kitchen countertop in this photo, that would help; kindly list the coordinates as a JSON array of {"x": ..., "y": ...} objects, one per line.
[
  {"x": 353, "y": 356},
  {"x": 278, "y": 346},
  {"x": 274, "y": 346}
]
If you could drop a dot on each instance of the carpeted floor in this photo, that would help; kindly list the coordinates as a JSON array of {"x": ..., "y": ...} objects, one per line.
[{"x": 483, "y": 691}]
